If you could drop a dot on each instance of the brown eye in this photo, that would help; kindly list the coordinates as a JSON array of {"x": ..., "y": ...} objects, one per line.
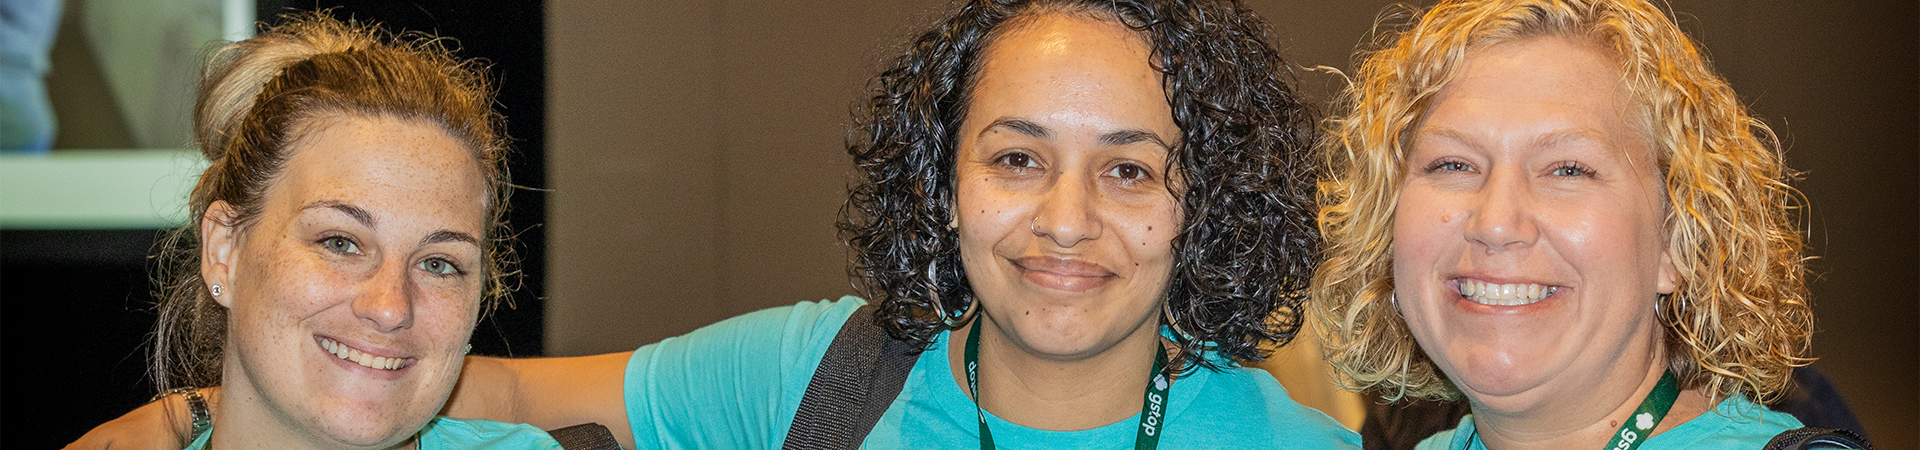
[
  {"x": 1128, "y": 172},
  {"x": 1017, "y": 160}
]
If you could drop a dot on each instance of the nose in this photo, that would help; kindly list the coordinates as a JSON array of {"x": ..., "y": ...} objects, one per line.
[
  {"x": 386, "y": 300},
  {"x": 1502, "y": 218},
  {"x": 1066, "y": 214}
]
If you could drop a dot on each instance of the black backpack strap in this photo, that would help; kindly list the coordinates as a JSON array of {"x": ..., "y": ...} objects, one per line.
[
  {"x": 586, "y": 436},
  {"x": 1815, "y": 438},
  {"x": 858, "y": 379}
]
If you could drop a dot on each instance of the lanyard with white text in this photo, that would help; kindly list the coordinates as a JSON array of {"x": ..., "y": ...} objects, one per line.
[
  {"x": 1640, "y": 425},
  {"x": 1153, "y": 411}
]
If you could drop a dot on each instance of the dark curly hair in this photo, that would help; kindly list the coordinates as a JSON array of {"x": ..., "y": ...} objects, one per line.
[{"x": 1245, "y": 253}]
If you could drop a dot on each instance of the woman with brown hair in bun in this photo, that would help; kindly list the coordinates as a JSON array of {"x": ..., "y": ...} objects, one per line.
[{"x": 346, "y": 238}]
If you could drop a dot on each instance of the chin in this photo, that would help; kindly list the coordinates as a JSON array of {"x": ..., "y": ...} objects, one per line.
[
  {"x": 1064, "y": 333},
  {"x": 1486, "y": 374},
  {"x": 371, "y": 431}
]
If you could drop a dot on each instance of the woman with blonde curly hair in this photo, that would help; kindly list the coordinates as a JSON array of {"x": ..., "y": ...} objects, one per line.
[{"x": 1556, "y": 209}]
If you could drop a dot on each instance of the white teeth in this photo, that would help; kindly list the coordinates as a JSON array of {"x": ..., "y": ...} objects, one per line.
[
  {"x": 342, "y": 351},
  {"x": 1504, "y": 294}
]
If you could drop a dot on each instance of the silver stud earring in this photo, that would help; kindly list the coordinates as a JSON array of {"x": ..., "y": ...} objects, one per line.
[{"x": 216, "y": 290}]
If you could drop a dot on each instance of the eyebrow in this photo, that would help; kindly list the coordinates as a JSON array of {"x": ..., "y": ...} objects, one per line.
[
  {"x": 449, "y": 236},
  {"x": 366, "y": 219},
  {"x": 1112, "y": 139},
  {"x": 1021, "y": 126},
  {"x": 1124, "y": 137},
  {"x": 1549, "y": 139},
  {"x": 1569, "y": 136},
  {"x": 361, "y": 215}
]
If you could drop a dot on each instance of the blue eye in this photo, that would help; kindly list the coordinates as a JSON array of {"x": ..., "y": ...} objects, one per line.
[
  {"x": 1450, "y": 165},
  {"x": 439, "y": 267},
  {"x": 1571, "y": 169},
  {"x": 340, "y": 245}
]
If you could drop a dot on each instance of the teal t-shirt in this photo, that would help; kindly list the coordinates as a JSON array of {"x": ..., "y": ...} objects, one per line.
[
  {"x": 1737, "y": 423},
  {"x": 738, "y": 384},
  {"x": 445, "y": 433}
]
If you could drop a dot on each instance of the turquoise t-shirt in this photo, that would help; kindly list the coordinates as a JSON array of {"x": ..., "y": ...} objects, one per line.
[
  {"x": 738, "y": 384},
  {"x": 445, "y": 433},
  {"x": 1737, "y": 423}
]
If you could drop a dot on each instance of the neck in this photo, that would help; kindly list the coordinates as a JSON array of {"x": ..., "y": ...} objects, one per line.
[
  {"x": 1584, "y": 421},
  {"x": 1058, "y": 394},
  {"x": 242, "y": 419}
]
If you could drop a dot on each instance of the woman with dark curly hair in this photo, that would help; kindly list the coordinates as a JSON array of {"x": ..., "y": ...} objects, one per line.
[
  {"x": 1097, "y": 208},
  {"x": 1590, "y": 232}
]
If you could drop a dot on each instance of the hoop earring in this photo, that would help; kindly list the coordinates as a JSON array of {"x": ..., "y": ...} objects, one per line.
[
  {"x": 1185, "y": 338},
  {"x": 1660, "y": 314},
  {"x": 215, "y": 289},
  {"x": 950, "y": 320},
  {"x": 1394, "y": 298}
]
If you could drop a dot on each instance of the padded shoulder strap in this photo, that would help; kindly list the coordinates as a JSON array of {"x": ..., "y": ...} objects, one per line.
[
  {"x": 586, "y": 436},
  {"x": 1817, "y": 438},
  {"x": 861, "y": 374}
]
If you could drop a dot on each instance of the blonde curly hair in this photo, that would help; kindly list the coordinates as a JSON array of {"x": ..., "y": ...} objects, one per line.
[{"x": 1739, "y": 320}]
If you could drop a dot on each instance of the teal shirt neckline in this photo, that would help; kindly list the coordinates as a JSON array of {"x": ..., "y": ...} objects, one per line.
[
  {"x": 446, "y": 433},
  {"x": 937, "y": 387},
  {"x": 738, "y": 383},
  {"x": 1736, "y": 423}
]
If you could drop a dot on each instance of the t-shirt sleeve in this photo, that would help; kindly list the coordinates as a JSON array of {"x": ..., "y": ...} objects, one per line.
[{"x": 733, "y": 384}]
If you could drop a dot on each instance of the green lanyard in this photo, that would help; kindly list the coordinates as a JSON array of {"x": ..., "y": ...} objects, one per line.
[
  {"x": 1153, "y": 411},
  {"x": 1651, "y": 410},
  {"x": 1640, "y": 425}
]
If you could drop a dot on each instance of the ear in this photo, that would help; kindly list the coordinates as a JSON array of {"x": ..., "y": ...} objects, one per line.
[
  {"x": 218, "y": 244},
  {"x": 1669, "y": 278}
]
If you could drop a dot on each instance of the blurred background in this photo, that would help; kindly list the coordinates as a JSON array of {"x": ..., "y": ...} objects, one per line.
[{"x": 685, "y": 164}]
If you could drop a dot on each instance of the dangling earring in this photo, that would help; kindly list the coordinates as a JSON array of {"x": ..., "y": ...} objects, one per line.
[
  {"x": 950, "y": 320},
  {"x": 468, "y": 350},
  {"x": 215, "y": 289}
]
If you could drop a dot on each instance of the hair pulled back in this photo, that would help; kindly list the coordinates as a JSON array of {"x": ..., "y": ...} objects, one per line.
[
  {"x": 258, "y": 97},
  {"x": 1244, "y": 179}
]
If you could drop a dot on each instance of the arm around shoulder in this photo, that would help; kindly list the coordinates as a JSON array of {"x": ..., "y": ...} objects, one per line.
[
  {"x": 159, "y": 425},
  {"x": 545, "y": 392}
]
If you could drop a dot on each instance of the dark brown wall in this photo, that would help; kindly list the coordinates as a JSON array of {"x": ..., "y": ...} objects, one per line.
[{"x": 696, "y": 154}]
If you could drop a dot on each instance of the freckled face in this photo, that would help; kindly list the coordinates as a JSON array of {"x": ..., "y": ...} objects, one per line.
[
  {"x": 1527, "y": 179},
  {"x": 353, "y": 294},
  {"x": 1066, "y": 224}
]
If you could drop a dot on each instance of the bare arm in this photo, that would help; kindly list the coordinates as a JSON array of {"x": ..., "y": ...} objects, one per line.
[
  {"x": 546, "y": 392},
  {"x": 161, "y": 425}
]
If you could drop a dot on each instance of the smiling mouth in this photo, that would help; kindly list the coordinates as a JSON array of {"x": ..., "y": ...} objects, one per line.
[
  {"x": 1062, "y": 274},
  {"x": 356, "y": 356},
  {"x": 1505, "y": 294}
]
